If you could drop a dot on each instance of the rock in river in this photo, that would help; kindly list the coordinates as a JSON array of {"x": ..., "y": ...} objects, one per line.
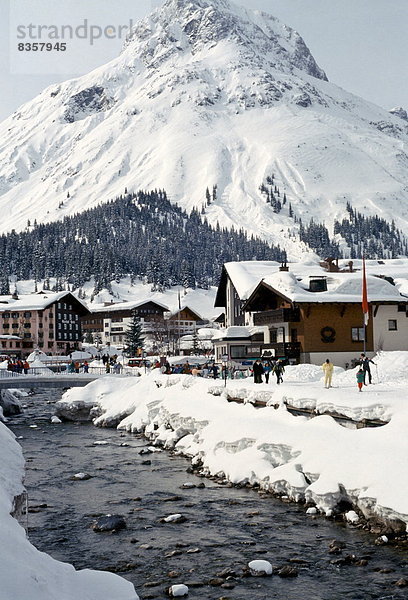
[{"x": 109, "y": 523}]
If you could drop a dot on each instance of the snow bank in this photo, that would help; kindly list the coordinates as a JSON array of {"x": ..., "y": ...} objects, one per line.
[
  {"x": 313, "y": 460},
  {"x": 27, "y": 573}
]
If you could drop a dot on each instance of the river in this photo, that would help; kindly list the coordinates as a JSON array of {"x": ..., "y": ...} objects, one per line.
[{"x": 224, "y": 527}]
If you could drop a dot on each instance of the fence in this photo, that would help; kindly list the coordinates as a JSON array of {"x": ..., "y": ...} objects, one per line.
[{"x": 62, "y": 370}]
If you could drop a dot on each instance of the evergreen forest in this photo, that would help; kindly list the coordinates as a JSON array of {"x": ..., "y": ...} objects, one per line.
[{"x": 142, "y": 235}]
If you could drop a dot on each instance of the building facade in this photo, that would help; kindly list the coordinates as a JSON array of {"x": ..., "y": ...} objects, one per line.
[
  {"x": 308, "y": 315},
  {"x": 50, "y": 322},
  {"x": 109, "y": 323}
]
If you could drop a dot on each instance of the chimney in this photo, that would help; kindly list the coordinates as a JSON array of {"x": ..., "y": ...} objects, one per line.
[{"x": 317, "y": 284}]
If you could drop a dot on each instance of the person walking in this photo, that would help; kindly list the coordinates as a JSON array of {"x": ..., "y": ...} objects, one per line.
[
  {"x": 278, "y": 369},
  {"x": 258, "y": 370},
  {"x": 327, "y": 367},
  {"x": 360, "y": 379},
  {"x": 365, "y": 364},
  {"x": 267, "y": 370}
]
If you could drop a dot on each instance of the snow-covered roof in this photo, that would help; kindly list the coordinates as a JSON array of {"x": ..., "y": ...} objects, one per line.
[
  {"x": 38, "y": 301},
  {"x": 95, "y": 308},
  {"x": 248, "y": 273},
  {"x": 343, "y": 286},
  {"x": 186, "y": 307},
  {"x": 9, "y": 337},
  {"x": 237, "y": 332}
]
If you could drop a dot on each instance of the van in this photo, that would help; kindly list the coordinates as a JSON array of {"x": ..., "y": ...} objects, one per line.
[{"x": 138, "y": 362}]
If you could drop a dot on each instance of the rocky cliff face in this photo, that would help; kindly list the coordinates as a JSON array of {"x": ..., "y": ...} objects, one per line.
[{"x": 206, "y": 93}]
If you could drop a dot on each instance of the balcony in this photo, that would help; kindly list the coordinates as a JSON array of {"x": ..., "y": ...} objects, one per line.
[{"x": 280, "y": 315}]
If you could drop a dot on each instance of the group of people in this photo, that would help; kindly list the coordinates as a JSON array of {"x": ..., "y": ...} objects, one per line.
[
  {"x": 207, "y": 370},
  {"x": 267, "y": 367},
  {"x": 17, "y": 365},
  {"x": 363, "y": 374}
]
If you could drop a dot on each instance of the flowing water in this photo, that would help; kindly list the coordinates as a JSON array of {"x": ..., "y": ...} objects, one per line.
[{"x": 225, "y": 528}]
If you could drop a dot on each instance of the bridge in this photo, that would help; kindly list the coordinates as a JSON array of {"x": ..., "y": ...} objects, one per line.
[{"x": 43, "y": 378}]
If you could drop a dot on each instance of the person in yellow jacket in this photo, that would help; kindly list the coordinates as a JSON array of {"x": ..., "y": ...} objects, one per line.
[{"x": 328, "y": 373}]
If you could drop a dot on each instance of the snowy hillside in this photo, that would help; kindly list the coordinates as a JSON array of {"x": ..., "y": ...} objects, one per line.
[{"x": 206, "y": 94}]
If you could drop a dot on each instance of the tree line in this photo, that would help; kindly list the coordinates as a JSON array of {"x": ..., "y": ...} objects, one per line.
[{"x": 141, "y": 234}]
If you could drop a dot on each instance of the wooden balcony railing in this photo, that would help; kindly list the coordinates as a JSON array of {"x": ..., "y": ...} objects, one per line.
[{"x": 280, "y": 315}]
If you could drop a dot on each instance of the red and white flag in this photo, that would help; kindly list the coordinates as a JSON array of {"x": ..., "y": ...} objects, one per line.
[{"x": 364, "y": 302}]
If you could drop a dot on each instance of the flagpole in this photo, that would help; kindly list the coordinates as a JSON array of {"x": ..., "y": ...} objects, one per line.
[{"x": 364, "y": 305}]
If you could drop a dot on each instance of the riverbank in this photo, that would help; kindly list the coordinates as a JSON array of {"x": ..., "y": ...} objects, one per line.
[
  {"x": 220, "y": 528},
  {"x": 26, "y": 573},
  {"x": 357, "y": 474}
]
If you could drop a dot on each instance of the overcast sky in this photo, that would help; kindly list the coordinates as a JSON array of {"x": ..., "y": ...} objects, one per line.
[{"x": 361, "y": 44}]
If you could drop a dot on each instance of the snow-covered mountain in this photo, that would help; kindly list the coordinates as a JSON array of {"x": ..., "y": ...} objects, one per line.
[{"x": 206, "y": 93}]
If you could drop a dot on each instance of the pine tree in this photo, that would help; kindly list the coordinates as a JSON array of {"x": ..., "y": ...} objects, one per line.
[
  {"x": 196, "y": 344},
  {"x": 133, "y": 338},
  {"x": 208, "y": 196},
  {"x": 88, "y": 339},
  {"x": 4, "y": 285}
]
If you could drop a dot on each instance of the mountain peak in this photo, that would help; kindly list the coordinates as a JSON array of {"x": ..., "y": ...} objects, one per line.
[
  {"x": 196, "y": 26},
  {"x": 220, "y": 106}
]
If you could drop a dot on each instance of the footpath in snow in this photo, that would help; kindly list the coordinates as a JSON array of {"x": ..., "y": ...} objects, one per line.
[{"x": 316, "y": 461}]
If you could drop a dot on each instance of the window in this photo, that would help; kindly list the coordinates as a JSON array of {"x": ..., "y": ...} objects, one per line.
[
  {"x": 6, "y": 315},
  {"x": 401, "y": 308},
  {"x": 40, "y": 325},
  {"x": 27, "y": 335},
  {"x": 6, "y": 325},
  {"x": 27, "y": 325},
  {"x": 27, "y": 315},
  {"x": 392, "y": 325},
  {"x": 357, "y": 334},
  {"x": 237, "y": 351},
  {"x": 14, "y": 325},
  {"x": 15, "y": 315}
]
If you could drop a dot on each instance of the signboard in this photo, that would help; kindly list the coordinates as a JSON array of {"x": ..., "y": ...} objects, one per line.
[
  {"x": 270, "y": 352},
  {"x": 254, "y": 350}
]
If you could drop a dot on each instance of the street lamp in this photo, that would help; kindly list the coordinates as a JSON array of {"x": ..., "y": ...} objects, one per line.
[{"x": 224, "y": 362}]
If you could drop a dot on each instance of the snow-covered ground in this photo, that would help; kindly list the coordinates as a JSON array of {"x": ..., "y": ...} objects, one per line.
[
  {"x": 315, "y": 460},
  {"x": 26, "y": 573}
]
